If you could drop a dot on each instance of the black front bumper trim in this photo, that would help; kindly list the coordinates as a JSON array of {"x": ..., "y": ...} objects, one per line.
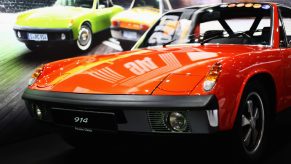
[{"x": 142, "y": 101}]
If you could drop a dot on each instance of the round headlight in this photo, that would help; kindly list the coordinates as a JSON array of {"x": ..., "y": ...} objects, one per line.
[
  {"x": 177, "y": 121},
  {"x": 19, "y": 34},
  {"x": 63, "y": 36}
]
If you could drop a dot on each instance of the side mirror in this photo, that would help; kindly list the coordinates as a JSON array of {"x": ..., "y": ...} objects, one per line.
[{"x": 101, "y": 6}]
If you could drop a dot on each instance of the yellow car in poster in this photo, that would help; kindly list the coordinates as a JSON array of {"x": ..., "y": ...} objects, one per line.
[
  {"x": 66, "y": 22},
  {"x": 128, "y": 26}
]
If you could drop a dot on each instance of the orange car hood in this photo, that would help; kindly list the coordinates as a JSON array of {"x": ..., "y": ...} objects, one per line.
[{"x": 134, "y": 72}]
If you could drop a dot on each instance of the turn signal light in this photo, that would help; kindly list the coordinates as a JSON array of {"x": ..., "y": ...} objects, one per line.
[
  {"x": 35, "y": 75},
  {"x": 212, "y": 77},
  {"x": 71, "y": 22},
  {"x": 37, "y": 71},
  {"x": 144, "y": 27},
  {"x": 115, "y": 23}
]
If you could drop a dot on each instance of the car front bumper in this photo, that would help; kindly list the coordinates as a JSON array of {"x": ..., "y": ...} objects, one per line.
[
  {"x": 132, "y": 113},
  {"x": 53, "y": 34},
  {"x": 120, "y": 34}
]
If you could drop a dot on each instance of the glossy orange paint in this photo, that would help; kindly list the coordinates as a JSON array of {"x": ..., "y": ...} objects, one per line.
[{"x": 173, "y": 70}]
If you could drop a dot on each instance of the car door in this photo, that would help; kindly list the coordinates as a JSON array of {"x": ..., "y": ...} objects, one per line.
[
  {"x": 285, "y": 44},
  {"x": 102, "y": 15}
]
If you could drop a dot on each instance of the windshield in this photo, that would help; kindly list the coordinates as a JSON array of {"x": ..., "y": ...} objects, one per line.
[
  {"x": 146, "y": 3},
  {"x": 224, "y": 24},
  {"x": 75, "y": 3}
]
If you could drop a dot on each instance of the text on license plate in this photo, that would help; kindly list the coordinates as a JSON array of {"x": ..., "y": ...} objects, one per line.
[
  {"x": 130, "y": 35},
  {"x": 85, "y": 120},
  {"x": 37, "y": 37}
]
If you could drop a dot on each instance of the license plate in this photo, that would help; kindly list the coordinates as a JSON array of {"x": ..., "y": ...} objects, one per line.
[
  {"x": 130, "y": 35},
  {"x": 85, "y": 120},
  {"x": 37, "y": 37}
]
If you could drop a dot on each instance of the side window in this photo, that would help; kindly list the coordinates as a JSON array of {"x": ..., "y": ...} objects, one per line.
[
  {"x": 104, "y": 4},
  {"x": 286, "y": 19}
]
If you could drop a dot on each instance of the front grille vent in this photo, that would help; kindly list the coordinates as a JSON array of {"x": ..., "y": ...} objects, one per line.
[{"x": 157, "y": 121}]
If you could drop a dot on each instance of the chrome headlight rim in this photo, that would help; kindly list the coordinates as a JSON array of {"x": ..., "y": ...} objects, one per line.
[{"x": 172, "y": 125}]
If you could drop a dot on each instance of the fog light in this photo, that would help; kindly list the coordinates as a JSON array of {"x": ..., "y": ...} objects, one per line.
[
  {"x": 208, "y": 85},
  {"x": 18, "y": 34},
  {"x": 177, "y": 121},
  {"x": 38, "y": 112},
  {"x": 63, "y": 36}
]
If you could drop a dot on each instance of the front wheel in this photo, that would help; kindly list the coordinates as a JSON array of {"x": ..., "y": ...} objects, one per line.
[
  {"x": 252, "y": 124},
  {"x": 85, "y": 38}
]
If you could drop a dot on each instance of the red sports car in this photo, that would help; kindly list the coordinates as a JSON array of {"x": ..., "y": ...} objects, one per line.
[{"x": 198, "y": 70}]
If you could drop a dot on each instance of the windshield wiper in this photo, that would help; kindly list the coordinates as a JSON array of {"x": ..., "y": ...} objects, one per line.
[{"x": 208, "y": 39}]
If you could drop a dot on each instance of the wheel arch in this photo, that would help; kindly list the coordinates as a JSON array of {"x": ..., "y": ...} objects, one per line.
[
  {"x": 267, "y": 80},
  {"x": 86, "y": 22},
  {"x": 85, "y": 47}
]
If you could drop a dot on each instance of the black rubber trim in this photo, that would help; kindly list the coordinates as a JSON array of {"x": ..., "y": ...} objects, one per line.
[
  {"x": 186, "y": 102},
  {"x": 35, "y": 29},
  {"x": 50, "y": 42}
]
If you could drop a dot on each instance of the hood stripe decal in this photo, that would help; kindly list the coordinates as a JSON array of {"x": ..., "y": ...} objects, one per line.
[
  {"x": 107, "y": 74},
  {"x": 171, "y": 62},
  {"x": 83, "y": 68}
]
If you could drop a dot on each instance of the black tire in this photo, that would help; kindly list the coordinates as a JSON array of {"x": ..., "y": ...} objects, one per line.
[
  {"x": 252, "y": 127},
  {"x": 85, "y": 38}
]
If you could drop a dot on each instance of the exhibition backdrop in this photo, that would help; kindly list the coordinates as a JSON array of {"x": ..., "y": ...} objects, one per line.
[{"x": 17, "y": 63}]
